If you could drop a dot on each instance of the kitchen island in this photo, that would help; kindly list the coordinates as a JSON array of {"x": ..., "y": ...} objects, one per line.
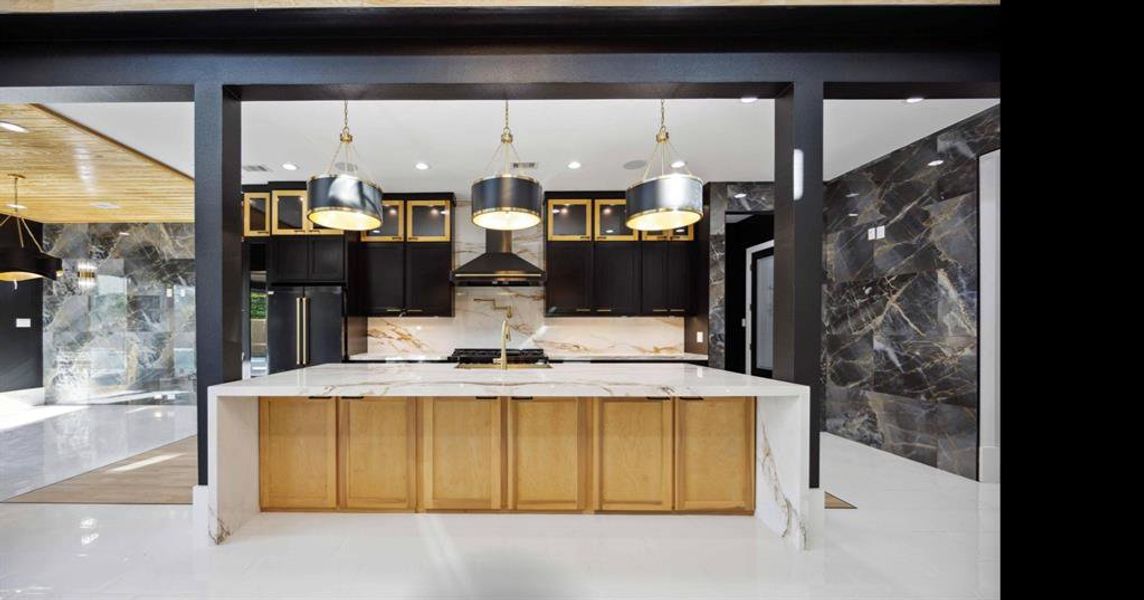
[{"x": 572, "y": 437}]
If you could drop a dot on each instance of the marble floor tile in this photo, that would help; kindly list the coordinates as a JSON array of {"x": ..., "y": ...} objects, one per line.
[{"x": 917, "y": 533}]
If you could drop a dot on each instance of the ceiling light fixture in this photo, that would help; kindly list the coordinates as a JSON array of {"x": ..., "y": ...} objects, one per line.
[
  {"x": 506, "y": 200},
  {"x": 741, "y": 195},
  {"x": 667, "y": 200},
  {"x": 574, "y": 164},
  {"x": 749, "y": 99},
  {"x": 347, "y": 199},
  {"x": 289, "y": 166},
  {"x": 935, "y": 162},
  {"x": 16, "y": 206},
  {"x": 10, "y": 126},
  {"x": 21, "y": 263},
  {"x": 421, "y": 166},
  {"x": 914, "y": 99}
]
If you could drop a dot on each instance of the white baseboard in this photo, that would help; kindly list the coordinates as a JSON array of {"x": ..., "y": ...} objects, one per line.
[{"x": 989, "y": 464}]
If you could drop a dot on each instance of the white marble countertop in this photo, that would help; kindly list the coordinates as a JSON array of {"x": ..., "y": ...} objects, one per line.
[
  {"x": 562, "y": 379},
  {"x": 685, "y": 356}
]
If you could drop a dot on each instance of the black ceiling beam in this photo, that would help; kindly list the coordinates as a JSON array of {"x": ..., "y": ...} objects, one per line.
[
  {"x": 110, "y": 93},
  {"x": 849, "y": 90},
  {"x": 817, "y": 28}
]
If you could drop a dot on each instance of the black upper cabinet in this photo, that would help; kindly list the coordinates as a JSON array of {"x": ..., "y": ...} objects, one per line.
[
  {"x": 377, "y": 279},
  {"x": 428, "y": 291},
  {"x": 307, "y": 260},
  {"x": 679, "y": 274},
  {"x": 616, "y": 278},
  {"x": 568, "y": 290},
  {"x": 654, "y": 276}
]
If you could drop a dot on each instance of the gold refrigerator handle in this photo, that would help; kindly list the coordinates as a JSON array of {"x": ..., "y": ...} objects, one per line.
[
  {"x": 306, "y": 331},
  {"x": 297, "y": 331}
]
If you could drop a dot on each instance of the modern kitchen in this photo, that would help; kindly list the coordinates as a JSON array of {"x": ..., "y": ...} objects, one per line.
[{"x": 708, "y": 330}]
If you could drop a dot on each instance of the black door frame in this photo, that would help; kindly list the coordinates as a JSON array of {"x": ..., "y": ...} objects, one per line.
[
  {"x": 751, "y": 311},
  {"x": 217, "y": 59}
]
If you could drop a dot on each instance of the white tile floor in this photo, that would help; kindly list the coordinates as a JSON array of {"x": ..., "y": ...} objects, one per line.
[
  {"x": 41, "y": 445},
  {"x": 917, "y": 533}
]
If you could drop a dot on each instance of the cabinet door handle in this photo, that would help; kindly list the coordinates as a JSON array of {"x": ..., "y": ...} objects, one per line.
[
  {"x": 487, "y": 397},
  {"x": 659, "y": 310},
  {"x": 604, "y": 310},
  {"x": 414, "y": 310},
  {"x": 658, "y": 398},
  {"x": 583, "y": 310},
  {"x": 691, "y": 398},
  {"x": 522, "y": 397},
  {"x": 306, "y": 330},
  {"x": 297, "y": 331},
  {"x": 319, "y": 397},
  {"x": 678, "y": 310},
  {"x": 349, "y": 397}
]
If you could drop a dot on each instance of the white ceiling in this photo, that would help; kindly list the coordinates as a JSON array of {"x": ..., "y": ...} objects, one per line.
[{"x": 722, "y": 140}]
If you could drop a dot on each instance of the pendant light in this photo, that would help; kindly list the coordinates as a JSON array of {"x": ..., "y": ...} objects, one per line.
[
  {"x": 506, "y": 200},
  {"x": 23, "y": 262},
  {"x": 668, "y": 198},
  {"x": 344, "y": 197}
]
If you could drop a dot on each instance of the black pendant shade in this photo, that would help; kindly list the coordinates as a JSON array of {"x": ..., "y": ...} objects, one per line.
[
  {"x": 666, "y": 202},
  {"x": 345, "y": 202},
  {"x": 507, "y": 202},
  {"x": 22, "y": 264}
]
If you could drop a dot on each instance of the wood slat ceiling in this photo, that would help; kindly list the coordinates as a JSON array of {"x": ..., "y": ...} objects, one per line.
[{"x": 69, "y": 167}]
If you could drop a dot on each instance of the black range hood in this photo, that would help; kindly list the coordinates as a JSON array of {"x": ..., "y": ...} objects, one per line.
[{"x": 498, "y": 265}]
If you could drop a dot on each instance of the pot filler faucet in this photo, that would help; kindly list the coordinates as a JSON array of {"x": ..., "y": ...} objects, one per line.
[{"x": 505, "y": 332}]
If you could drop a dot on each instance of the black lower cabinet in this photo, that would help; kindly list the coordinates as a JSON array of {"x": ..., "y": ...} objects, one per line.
[
  {"x": 616, "y": 278},
  {"x": 568, "y": 290},
  {"x": 305, "y": 326},
  {"x": 428, "y": 291},
  {"x": 377, "y": 279}
]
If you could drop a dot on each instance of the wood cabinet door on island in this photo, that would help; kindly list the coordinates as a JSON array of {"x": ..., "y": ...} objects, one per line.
[
  {"x": 634, "y": 440},
  {"x": 461, "y": 453},
  {"x": 547, "y": 454},
  {"x": 297, "y": 438},
  {"x": 714, "y": 454},
  {"x": 377, "y": 452}
]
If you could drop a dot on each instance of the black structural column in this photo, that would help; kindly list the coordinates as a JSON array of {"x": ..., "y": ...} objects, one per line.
[
  {"x": 799, "y": 194},
  {"x": 218, "y": 246}
]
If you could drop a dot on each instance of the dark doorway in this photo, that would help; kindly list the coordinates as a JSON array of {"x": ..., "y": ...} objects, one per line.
[{"x": 743, "y": 231}]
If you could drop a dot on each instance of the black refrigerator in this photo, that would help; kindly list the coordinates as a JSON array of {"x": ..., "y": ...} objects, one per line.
[{"x": 305, "y": 326}]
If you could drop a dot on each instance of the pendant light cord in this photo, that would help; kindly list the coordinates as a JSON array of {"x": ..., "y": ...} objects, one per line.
[
  {"x": 664, "y": 150},
  {"x": 507, "y": 147},
  {"x": 347, "y": 150},
  {"x": 21, "y": 223}
]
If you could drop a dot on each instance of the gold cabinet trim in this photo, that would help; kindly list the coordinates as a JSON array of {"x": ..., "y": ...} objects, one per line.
[
  {"x": 669, "y": 235},
  {"x": 400, "y": 235},
  {"x": 410, "y": 204},
  {"x": 247, "y": 197},
  {"x": 587, "y": 235},
  {"x": 612, "y": 237},
  {"x": 308, "y": 227}
]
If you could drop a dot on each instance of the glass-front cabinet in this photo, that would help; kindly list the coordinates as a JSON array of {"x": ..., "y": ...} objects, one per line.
[
  {"x": 392, "y": 223},
  {"x": 256, "y": 214},
  {"x": 569, "y": 220},
  {"x": 611, "y": 221},
  {"x": 288, "y": 215},
  {"x": 427, "y": 220}
]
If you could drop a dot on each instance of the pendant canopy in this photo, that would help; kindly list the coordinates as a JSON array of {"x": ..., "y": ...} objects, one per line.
[
  {"x": 344, "y": 197},
  {"x": 666, "y": 198},
  {"x": 23, "y": 262},
  {"x": 506, "y": 200}
]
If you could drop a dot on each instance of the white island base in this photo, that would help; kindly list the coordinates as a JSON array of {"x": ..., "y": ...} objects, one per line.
[{"x": 783, "y": 501}]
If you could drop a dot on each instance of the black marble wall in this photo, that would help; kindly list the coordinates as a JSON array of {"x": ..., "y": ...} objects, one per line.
[
  {"x": 129, "y": 334},
  {"x": 900, "y": 312}
]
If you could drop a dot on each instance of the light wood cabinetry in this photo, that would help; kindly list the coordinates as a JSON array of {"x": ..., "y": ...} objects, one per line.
[
  {"x": 461, "y": 458},
  {"x": 714, "y": 454},
  {"x": 634, "y": 441},
  {"x": 547, "y": 453},
  {"x": 297, "y": 439},
  {"x": 377, "y": 452}
]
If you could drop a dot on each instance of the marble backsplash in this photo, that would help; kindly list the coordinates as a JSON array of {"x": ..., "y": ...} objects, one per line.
[
  {"x": 479, "y": 311},
  {"x": 900, "y": 313},
  {"x": 130, "y": 332}
]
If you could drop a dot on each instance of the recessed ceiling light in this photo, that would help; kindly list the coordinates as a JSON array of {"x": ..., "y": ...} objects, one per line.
[
  {"x": 13, "y": 127},
  {"x": 852, "y": 214},
  {"x": 749, "y": 99},
  {"x": 852, "y": 195},
  {"x": 935, "y": 162},
  {"x": 678, "y": 164},
  {"x": 289, "y": 166},
  {"x": 574, "y": 164},
  {"x": 124, "y": 233},
  {"x": 740, "y": 195},
  {"x": 16, "y": 206},
  {"x": 632, "y": 165},
  {"x": 914, "y": 99},
  {"x": 422, "y": 166},
  {"x": 104, "y": 205}
]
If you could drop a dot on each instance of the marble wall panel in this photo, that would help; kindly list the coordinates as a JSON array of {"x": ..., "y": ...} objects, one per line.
[
  {"x": 132, "y": 331},
  {"x": 900, "y": 313}
]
